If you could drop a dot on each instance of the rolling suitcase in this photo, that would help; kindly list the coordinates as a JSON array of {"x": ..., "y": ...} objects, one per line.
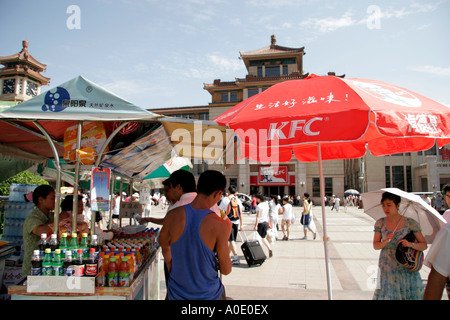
[{"x": 253, "y": 251}]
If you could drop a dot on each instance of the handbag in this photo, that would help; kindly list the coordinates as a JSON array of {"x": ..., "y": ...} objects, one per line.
[
  {"x": 305, "y": 219},
  {"x": 410, "y": 258}
]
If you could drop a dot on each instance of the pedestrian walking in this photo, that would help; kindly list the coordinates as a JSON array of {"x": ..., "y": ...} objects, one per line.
[
  {"x": 275, "y": 209},
  {"x": 262, "y": 220},
  {"x": 287, "y": 220},
  {"x": 395, "y": 281},
  {"x": 232, "y": 206},
  {"x": 306, "y": 219}
]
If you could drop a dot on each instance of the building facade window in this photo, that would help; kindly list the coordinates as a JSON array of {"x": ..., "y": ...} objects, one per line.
[
  {"x": 273, "y": 71},
  {"x": 395, "y": 177},
  {"x": 203, "y": 116},
  {"x": 224, "y": 97},
  {"x": 252, "y": 91},
  {"x": 328, "y": 187},
  {"x": 260, "y": 72}
]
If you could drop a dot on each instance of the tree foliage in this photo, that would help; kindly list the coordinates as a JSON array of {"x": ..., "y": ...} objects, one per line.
[{"x": 24, "y": 177}]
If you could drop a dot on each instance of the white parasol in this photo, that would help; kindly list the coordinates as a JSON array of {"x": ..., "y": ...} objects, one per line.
[{"x": 411, "y": 205}]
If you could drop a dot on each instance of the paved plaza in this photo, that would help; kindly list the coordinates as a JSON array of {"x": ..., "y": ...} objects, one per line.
[{"x": 297, "y": 269}]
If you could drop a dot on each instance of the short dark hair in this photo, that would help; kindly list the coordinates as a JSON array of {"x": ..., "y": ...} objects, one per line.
[
  {"x": 395, "y": 198},
  {"x": 183, "y": 178},
  {"x": 232, "y": 189},
  {"x": 260, "y": 196},
  {"x": 211, "y": 181},
  {"x": 41, "y": 191},
  {"x": 67, "y": 203},
  {"x": 446, "y": 189}
]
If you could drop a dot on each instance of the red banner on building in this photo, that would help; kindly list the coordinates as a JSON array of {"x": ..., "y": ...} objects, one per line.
[{"x": 273, "y": 175}]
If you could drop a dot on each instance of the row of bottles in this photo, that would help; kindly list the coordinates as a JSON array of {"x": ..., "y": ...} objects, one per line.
[
  {"x": 65, "y": 245},
  {"x": 57, "y": 266}
]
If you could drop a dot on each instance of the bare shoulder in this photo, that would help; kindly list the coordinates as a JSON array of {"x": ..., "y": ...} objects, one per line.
[{"x": 213, "y": 221}]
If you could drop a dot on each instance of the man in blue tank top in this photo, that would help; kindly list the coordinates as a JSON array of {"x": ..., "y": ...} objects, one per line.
[{"x": 192, "y": 239}]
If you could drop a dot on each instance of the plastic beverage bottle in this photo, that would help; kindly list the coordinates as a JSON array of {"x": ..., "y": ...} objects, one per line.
[
  {"x": 78, "y": 264},
  {"x": 84, "y": 246},
  {"x": 53, "y": 244},
  {"x": 68, "y": 268},
  {"x": 112, "y": 275},
  {"x": 63, "y": 245},
  {"x": 139, "y": 219},
  {"x": 91, "y": 264},
  {"x": 57, "y": 264},
  {"x": 94, "y": 245},
  {"x": 36, "y": 264},
  {"x": 124, "y": 273},
  {"x": 47, "y": 267},
  {"x": 73, "y": 245},
  {"x": 100, "y": 272},
  {"x": 42, "y": 245},
  {"x": 104, "y": 270}
]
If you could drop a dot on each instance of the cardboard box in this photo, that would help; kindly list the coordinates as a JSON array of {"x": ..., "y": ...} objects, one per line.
[{"x": 52, "y": 284}]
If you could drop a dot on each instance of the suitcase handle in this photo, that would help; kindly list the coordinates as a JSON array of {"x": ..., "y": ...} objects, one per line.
[
  {"x": 246, "y": 239},
  {"x": 245, "y": 235}
]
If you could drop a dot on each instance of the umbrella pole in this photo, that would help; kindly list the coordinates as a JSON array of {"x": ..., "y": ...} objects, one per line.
[
  {"x": 76, "y": 178},
  {"x": 324, "y": 224}
]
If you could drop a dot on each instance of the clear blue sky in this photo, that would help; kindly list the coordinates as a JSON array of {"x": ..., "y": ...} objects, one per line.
[{"x": 158, "y": 53}]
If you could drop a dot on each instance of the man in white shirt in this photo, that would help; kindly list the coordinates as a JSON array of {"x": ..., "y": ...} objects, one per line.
[
  {"x": 438, "y": 259},
  {"x": 226, "y": 207},
  {"x": 179, "y": 190}
]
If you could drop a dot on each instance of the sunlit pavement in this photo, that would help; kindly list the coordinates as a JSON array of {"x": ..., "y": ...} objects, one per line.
[{"x": 297, "y": 270}]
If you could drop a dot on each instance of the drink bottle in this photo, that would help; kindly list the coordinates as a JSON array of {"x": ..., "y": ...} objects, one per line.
[
  {"x": 84, "y": 246},
  {"x": 36, "y": 264},
  {"x": 57, "y": 263},
  {"x": 112, "y": 275},
  {"x": 79, "y": 264},
  {"x": 42, "y": 245},
  {"x": 63, "y": 245},
  {"x": 94, "y": 245},
  {"x": 139, "y": 219},
  {"x": 68, "y": 269},
  {"x": 91, "y": 264},
  {"x": 124, "y": 273},
  {"x": 47, "y": 267},
  {"x": 73, "y": 245},
  {"x": 53, "y": 244}
]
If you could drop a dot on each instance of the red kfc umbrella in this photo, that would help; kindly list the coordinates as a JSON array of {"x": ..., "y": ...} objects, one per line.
[{"x": 325, "y": 118}]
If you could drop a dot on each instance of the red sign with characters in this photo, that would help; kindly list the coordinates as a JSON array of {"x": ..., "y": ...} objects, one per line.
[{"x": 273, "y": 175}]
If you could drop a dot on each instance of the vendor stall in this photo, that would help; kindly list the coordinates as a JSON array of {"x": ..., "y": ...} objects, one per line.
[{"x": 93, "y": 129}]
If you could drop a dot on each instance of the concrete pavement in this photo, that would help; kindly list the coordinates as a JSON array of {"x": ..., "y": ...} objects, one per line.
[{"x": 297, "y": 270}]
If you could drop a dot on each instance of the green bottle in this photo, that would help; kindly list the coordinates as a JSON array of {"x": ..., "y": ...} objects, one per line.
[
  {"x": 73, "y": 246},
  {"x": 84, "y": 246},
  {"x": 63, "y": 245},
  {"x": 57, "y": 263},
  {"x": 47, "y": 267}
]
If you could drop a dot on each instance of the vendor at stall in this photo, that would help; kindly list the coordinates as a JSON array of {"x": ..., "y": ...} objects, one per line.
[
  {"x": 82, "y": 220},
  {"x": 38, "y": 222}
]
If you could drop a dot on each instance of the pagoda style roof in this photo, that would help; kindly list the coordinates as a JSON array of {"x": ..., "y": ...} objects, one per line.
[
  {"x": 23, "y": 63},
  {"x": 272, "y": 51}
]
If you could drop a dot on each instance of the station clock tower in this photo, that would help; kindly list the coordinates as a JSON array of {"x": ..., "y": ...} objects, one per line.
[{"x": 21, "y": 78}]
